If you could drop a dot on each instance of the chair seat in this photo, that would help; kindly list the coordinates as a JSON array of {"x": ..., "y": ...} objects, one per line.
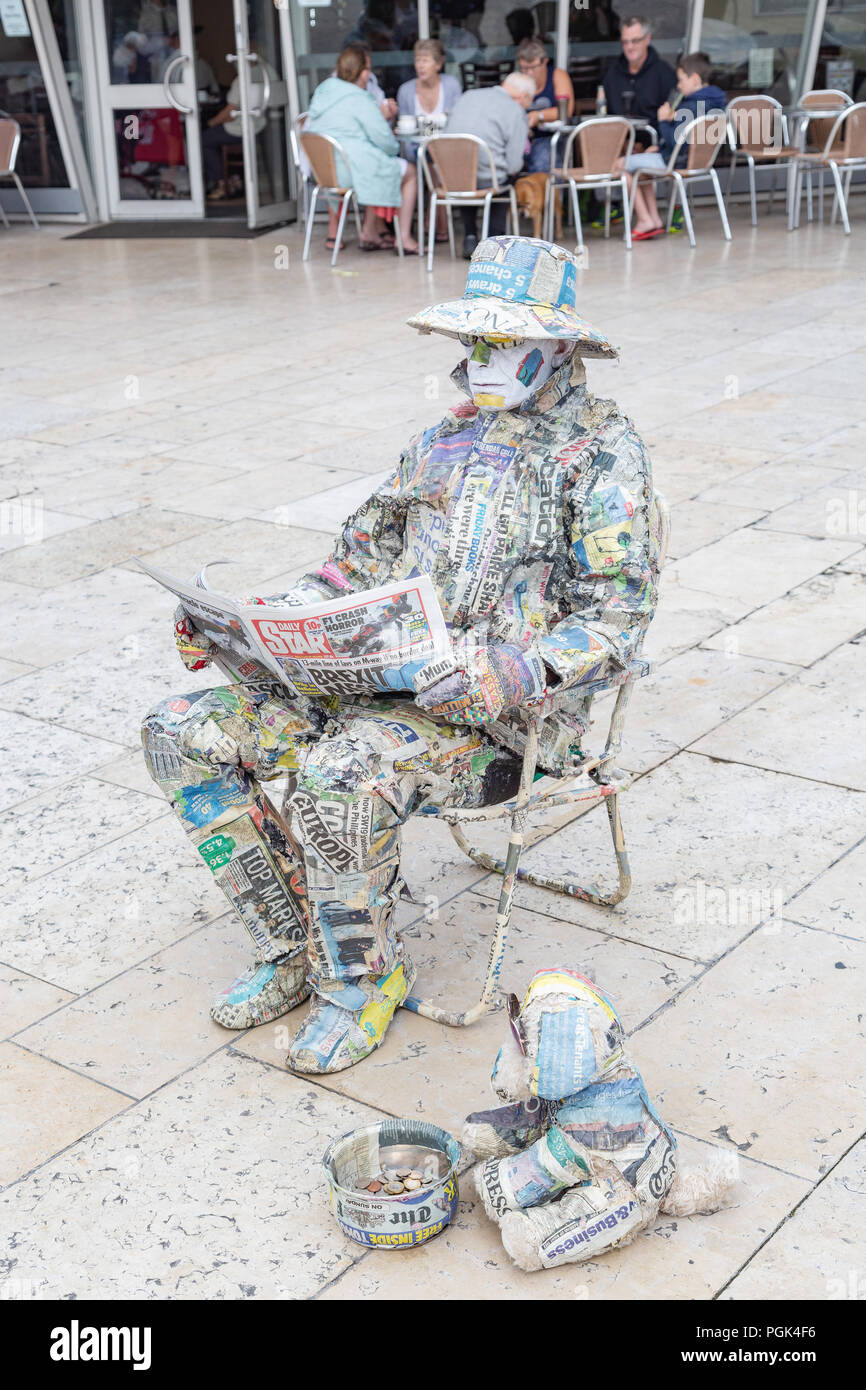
[
  {"x": 767, "y": 156},
  {"x": 581, "y": 176}
]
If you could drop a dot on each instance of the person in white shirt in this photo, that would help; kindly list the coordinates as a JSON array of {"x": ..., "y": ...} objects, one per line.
[{"x": 226, "y": 128}]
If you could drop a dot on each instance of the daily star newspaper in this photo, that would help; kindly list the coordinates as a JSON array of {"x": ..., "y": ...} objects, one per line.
[{"x": 374, "y": 640}]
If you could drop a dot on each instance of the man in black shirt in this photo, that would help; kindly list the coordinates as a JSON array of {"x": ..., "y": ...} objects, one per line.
[{"x": 638, "y": 82}]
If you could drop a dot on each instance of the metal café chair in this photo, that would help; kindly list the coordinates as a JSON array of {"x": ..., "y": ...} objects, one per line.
[
  {"x": 450, "y": 170},
  {"x": 704, "y": 136},
  {"x": 758, "y": 133},
  {"x": 601, "y": 141},
  {"x": 10, "y": 140},
  {"x": 323, "y": 151},
  {"x": 597, "y": 780},
  {"x": 818, "y": 129},
  {"x": 843, "y": 152}
]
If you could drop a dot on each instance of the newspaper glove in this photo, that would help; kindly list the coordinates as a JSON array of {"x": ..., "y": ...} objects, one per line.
[
  {"x": 493, "y": 679},
  {"x": 195, "y": 651}
]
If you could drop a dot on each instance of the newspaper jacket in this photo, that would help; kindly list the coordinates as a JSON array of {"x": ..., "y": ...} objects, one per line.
[{"x": 534, "y": 526}]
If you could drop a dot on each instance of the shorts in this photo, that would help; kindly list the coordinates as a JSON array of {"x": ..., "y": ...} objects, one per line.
[{"x": 644, "y": 161}]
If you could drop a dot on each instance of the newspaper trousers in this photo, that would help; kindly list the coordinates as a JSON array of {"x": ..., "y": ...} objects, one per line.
[{"x": 329, "y": 880}]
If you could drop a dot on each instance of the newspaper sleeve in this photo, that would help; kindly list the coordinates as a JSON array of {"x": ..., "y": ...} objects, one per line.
[{"x": 373, "y": 641}]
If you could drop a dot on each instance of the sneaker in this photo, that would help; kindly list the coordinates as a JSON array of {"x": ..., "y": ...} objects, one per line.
[
  {"x": 469, "y": 245},
  {"x": 262, "y": 993},
  {"x": 335, "y": 1036},
  {"x": 615, "y": 218}
]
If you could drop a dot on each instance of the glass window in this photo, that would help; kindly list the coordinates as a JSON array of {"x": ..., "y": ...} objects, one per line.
[
  {"x": 151, "y": 154},
  {"x": 388, "y": 27},
  {"x": 22, "y": 95},
  {"x": 595, "y": 45},
  {"x": 842, "y": 56},
  {"x": 755, "y": 45},
  {"x": 142, "y": 38}
]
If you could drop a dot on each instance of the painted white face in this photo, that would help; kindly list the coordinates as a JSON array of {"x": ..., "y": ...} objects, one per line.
[{"x": 502, "y": 375}]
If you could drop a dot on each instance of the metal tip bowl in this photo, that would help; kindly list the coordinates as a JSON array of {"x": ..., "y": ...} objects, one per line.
[{"x": 399, "y": 1221}]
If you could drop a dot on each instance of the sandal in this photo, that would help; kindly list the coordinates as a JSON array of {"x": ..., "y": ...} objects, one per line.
[
  {"x": 330, "y": 243},
  {"x": 373, "y": 246}
]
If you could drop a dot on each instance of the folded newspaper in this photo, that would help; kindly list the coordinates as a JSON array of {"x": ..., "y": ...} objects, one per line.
[{"x": 374, "y": 641}]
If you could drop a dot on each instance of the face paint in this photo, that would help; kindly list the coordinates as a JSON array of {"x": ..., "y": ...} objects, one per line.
[{"x": 501, "y": 378}]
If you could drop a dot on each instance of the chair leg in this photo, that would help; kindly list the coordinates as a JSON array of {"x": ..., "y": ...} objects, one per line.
[
  {"x": 625, "y": 210},
  {"x": 515, "y": 216},
  {"x": 721, "y": 202},
  {"x": 510, "y": 870},
  {"x": 575, "y": 208},
  {"x": 3, "y": 215},
  {"x": 731, "y": 167},
  {"x": 431, "y": 231},
  {"x": 357, "y": 212},
  {"x": 809, "y": 195},
  {"x": 451, "y": 243},
  {"x": 485, "y": 218},
  {"x": 687, "y": 212},
  {"x": 672, "y": 203},
  {"x": 25, "y": 200},
  {"x": 840, "y": 194},
  {"x": 753, "y": 195},
  {"x": 607, "y": 211},
  {"x": 311, "y": 217},
  {"x": 821, "y": 175},
  {"x": 344, "y": 208},
  {"x": 773, "y": 182}
]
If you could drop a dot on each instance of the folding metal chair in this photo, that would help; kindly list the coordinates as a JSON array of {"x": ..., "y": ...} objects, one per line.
[
  {"x": 450, "y": 170},
  {"x": 10, "y": 140},
  {"x": 758, "y": 133},
  {"x": 704, "y": 136},
  {"x": 323, "y": 151},
  {"x": 598, "y": 780}
]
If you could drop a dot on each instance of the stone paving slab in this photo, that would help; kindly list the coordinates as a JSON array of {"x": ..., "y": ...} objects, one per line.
[
  {"x": 765, "y": 1052},
  {"x": 715, "y": 848},
  {"x": 212, "y": 1189},
  {"x": 821, "y": 1243}
]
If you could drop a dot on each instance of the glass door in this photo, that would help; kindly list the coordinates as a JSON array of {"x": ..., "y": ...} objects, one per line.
[
  {"x": 149, "y": 104},
  {"x": 264, "y": 62}
]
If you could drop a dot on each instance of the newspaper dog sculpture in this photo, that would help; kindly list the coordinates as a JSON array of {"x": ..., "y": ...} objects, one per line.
[
  {"x": 527, "y": 511},
  {"x": 582, "y": 1162}
]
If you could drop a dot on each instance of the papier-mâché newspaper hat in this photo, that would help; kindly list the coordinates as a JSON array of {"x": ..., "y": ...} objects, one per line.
[{"x": 517, "y": 287}]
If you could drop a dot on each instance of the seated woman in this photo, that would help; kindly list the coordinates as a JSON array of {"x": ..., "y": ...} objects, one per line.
[
  {"x": 343, "y": 109},
  {"x": 552, "y": 85},
  {"x": 431, "y": 94}
]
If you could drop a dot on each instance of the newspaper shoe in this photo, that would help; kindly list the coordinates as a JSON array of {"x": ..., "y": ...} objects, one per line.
[
  {"x": 262, "y": 993},
  {"x": 335, "y": 1036}
]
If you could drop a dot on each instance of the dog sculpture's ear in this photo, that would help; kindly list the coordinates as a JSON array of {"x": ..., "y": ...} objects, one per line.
[{"x": 566, "y": 1061}]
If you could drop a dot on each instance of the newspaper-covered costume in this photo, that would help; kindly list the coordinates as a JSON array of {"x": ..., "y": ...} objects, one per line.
[
  {"x": 533, "y": 525},
  {"x": 582, "y": 1162}
]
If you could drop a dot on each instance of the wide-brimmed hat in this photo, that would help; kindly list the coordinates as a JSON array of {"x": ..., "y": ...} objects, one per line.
[{"x": 517, "y": 287}]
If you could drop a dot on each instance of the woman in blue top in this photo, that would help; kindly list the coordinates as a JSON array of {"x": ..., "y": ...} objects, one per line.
[
  {"x": 698, "y": 97},
  {"x": 552, "y": 85},
  {"x": 342, "y": 109}
]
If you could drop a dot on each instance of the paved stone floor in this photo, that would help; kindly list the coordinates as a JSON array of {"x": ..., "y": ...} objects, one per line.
[{"x": 193, "y": 400}]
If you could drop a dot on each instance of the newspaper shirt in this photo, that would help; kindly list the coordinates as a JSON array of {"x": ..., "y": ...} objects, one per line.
[
  {"x": 534, "y": 527},
  {"x": 375, "y": 641}
]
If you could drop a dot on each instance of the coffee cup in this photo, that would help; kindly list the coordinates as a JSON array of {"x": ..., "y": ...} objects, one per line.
[{"x": 407, "y": 125}]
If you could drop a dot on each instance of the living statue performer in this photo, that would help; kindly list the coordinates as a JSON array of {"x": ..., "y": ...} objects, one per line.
[{"x": 528, "y": 505}]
